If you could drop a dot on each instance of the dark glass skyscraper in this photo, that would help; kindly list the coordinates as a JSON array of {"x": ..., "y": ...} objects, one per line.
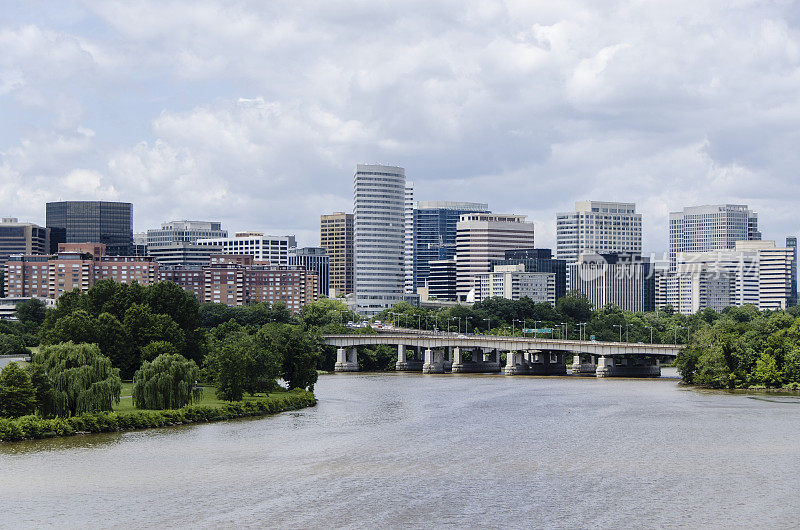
[
  {"x": 435, "y": 233},
  {"x": 110, "y": 223}
]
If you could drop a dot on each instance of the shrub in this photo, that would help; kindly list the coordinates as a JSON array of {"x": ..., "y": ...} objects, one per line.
[{"x": 31, "y": 427}]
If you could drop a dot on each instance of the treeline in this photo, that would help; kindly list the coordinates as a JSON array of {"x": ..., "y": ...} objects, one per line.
[
  {"x": 166, "y": 343},
  {"x": 16, "y": 336},
  {"x": 744, "y": 348},
  {"x": 572, "y": 317}
]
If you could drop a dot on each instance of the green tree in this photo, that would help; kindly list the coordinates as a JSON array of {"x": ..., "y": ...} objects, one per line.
[
  {"x": 766, "y": 371},
  {"x": 298, "y": 351},
  {"x": 168, "y": 382},
  {"x": 77, "y": 326},
  {"x": 17, "y": 395},
  {"x": 112, "y": 338},
  {"x": 575, "y": 306},
  {"x": 83, "y": 380},
  {"x": 227, "y": 361},
  {"x": 143, "y": 327},
  {"x": 12, "y": 345},
  {"x": 31, "y": 311},
  {"x": 45, "y": 405},
  {"x": 155, "y": 349}
]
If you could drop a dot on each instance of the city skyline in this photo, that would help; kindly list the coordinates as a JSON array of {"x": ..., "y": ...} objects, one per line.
[{"x": 528, "y": 108}]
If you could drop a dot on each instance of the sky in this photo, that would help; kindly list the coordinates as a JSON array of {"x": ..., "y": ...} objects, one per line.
[{"x": 256, "y": 113}]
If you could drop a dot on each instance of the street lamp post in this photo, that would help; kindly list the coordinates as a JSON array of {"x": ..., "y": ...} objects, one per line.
[
  {"x": 488, "y": 325},
  {"x": 651, "y": 333},
  {"x": 620, "y": 331}
]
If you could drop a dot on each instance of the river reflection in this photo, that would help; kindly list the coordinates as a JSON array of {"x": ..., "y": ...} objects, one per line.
[{"x": 449, "y": 450}]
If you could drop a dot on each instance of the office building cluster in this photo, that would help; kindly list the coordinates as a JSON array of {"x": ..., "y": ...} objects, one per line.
[
  {"x": 393, "y": 248},
  {"x": 461, "y": 252},
  {"x": 84, "y": 242}
]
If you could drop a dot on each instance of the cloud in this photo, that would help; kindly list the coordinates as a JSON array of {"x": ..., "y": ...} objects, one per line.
[{"x": 255, "y": 113}]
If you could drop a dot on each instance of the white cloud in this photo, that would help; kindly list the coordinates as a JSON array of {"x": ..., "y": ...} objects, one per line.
[{"x": 255, "y": 113}]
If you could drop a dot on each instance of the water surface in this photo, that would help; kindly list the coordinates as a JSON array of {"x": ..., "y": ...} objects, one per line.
[{"x": 422, "y": 451}]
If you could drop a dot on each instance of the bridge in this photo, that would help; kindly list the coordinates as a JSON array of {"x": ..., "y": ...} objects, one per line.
[{"x": 439, "y": 352}]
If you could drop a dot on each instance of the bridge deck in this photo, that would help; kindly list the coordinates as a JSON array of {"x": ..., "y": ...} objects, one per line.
[{"x": 503, "y": 343}]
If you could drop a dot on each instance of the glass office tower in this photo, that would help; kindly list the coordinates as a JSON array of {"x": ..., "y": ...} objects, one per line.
[
  {"x": 435, "y": 233},
  {"x": 110, "y": 223}
]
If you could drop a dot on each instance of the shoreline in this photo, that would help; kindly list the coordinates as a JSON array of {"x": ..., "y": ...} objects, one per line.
[
  {"x": 34, "y": 428},
  {"x": 743, "y": 391}
]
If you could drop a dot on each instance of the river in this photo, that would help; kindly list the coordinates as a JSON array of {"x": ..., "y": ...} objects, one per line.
[{"x": 433, "y": 451}]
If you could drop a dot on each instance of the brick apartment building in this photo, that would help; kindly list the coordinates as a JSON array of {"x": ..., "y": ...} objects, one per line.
[{"x": 230, "y": 280}]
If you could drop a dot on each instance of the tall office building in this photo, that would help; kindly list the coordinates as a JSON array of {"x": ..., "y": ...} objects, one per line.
[
  {"x": 710, "y": 227},
  {"x": 408, "y": 239},
  {"x": 624, "y": 280},
  {"x": 598, "y": 227},
  {"x": 22, "y": 238},
  {"x": 379, "y": 200},
  {"x": 336, "y": 237},
  {"x": 274, "y": 249},
  {"x": 442, "y": 280},
  {"x": 175, "y": 243},
  {"x": 776, "y": 268},
  {"x": 791, "y": 243},
  {"x": 313, "y": 259},
  {"x": 482, "y": 237},
  {"x": 435, "y": 233},
  {"x": 110, "y": 223}
]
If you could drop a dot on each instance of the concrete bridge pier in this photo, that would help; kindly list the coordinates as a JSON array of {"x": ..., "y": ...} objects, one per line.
[
  {"x": 583, "y": 364},
  {"x": 621, "y": 366},
  {"x": 458, "y": 361},
  {"x": 434, "y": 362},
  {"x": 514, "y": 364},
  {"x": 404, "y": 363},
  {"x": 346, "y": 360}
]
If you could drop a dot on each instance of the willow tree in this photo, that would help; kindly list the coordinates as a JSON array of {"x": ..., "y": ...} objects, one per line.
[
  {"x": 168, "y": 382},
  {"x": 17, "y": 395},
  {"x": 82, "y": 379}
]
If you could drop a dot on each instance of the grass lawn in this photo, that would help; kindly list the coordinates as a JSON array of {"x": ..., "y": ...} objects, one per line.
[{"x": 209, "y": 398}]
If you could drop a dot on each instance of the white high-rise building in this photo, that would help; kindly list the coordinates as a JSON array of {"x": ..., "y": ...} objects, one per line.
[
  {"x": 513, "y": 283},
  {"x": 710, "y": 227},
  {"x": 175, "y": 243},
  {"x": 599, "y": 227},
  {"x": 482, "y": 237},
  {"x": 408, "y": 239},
  {"x": 379, "y": 222},
  {"x": 274, "y": 249},
  {"x": 754, "y": 272}
]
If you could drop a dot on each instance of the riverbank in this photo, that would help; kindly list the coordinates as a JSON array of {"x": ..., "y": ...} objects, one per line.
[
  {"x": 784, "y": 391},
  {"x": 125, "y": 418}
]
